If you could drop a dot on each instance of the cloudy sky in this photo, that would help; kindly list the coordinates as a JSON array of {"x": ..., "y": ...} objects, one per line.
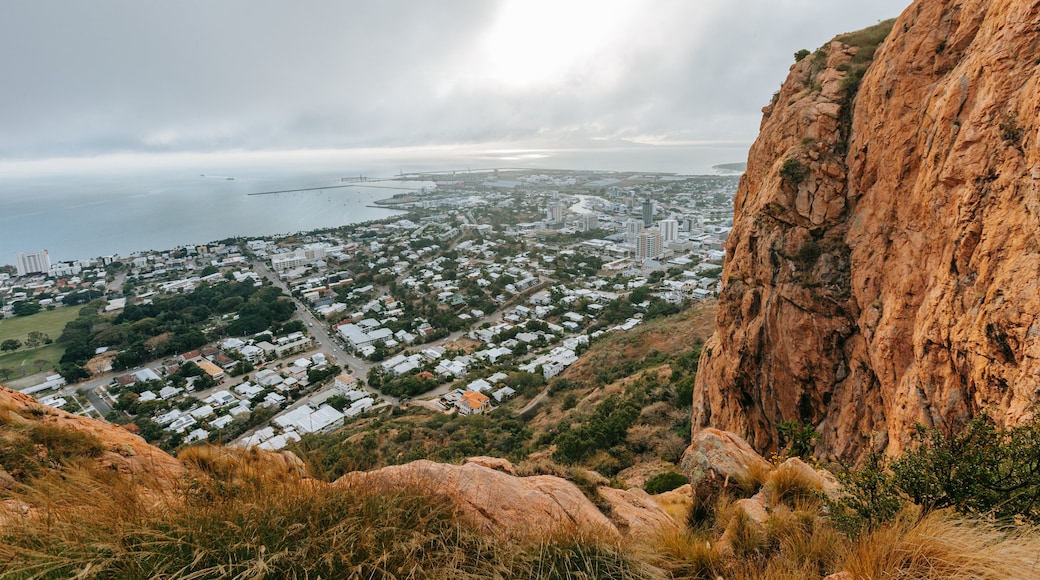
[{"x": 105, "y": 76}]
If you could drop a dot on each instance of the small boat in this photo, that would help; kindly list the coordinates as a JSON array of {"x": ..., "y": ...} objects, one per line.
[{"x": 230, "y": 178}]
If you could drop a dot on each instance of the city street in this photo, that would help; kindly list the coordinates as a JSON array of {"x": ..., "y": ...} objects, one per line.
[{"x": 327, "y": 344}]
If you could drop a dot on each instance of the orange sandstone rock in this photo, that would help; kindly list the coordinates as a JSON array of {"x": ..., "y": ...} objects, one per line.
[
  {"x": 883, "y": 266},
  {"x": 124, "y": 452}
]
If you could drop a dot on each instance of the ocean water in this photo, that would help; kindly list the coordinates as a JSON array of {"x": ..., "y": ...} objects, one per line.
[{"x": 83, "y": 210}]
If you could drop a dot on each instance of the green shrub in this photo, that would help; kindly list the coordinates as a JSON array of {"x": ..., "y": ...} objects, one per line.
[
  {"x": 666, "y": 481},
  {"x": 799, "y": 440},
  {"x": 980, "y": 470},
  {"x": 793, "y": 172},
  {"x": 606, "y": 428},
  {"x": 868, "y": 497},
  {"x": 801, "y": 54}
]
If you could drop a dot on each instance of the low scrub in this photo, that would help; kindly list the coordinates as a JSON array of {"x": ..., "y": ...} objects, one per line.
[
  {"x": 267, "y": 526},
  {"x": 666, "y": 481}
]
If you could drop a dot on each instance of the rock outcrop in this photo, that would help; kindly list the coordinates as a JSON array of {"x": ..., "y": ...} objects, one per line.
[
  {"x": 535, "y": 506},
  {"x": 883, "y": 266},
  {"x": 485, "y": 490},
  {"x": 718, "y": 459},
  {"x": 123, "y": 451}
]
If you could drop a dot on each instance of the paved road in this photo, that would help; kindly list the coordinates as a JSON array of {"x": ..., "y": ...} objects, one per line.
[
  {"x": 99, "y": 403},
  {"x": 326, "y": 343}
]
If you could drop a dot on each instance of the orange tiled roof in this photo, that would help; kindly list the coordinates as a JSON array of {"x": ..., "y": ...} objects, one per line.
[{"x": 474, "y": 400}]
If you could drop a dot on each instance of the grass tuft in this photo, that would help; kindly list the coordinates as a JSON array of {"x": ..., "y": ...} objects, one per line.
[
  {"x": 940, "y": 546},
  {"x": 790, "y": 486}
]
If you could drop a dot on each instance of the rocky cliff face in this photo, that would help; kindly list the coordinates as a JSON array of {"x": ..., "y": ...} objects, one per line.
[{"x": 883, "y": 265}]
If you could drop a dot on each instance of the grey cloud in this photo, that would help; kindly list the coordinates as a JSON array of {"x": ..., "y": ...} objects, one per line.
[{"x": 107, "y": 76}]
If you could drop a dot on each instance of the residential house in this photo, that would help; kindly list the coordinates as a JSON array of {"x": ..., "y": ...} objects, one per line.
[{"x": 473, "y": 403}]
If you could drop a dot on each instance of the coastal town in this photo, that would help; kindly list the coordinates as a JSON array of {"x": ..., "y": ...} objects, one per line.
[{"x": 484, "y": 283}]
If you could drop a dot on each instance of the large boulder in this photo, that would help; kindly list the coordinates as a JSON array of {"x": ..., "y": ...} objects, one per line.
[
  {"x": 515, "y": 506},
  {"x": 496, "y": 463},
  {"x": 718, "y": 459},
  {"x": 636, "y": 513}
]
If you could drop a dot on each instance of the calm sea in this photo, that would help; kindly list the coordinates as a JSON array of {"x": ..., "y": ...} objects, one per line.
[{"x": 124, "y": 207}]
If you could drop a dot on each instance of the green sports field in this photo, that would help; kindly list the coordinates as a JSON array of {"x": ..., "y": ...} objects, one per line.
[{"x": 22, "y": 362}]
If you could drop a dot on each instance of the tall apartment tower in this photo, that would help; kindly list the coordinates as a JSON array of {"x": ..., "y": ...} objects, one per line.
[
  {"x": 632, "y": 229},
  {"x": 669, "y": 230},
  {"x": 554, "y": 212},
  {"x": 648, "y": 246},
  {"x": 33, "y": 262},
  {"x": 648, "y": 213}
]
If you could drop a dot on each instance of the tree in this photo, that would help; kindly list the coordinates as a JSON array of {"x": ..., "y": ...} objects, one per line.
[
  {"x": 36, "y": 339},
  {"x": 26, "y": 308},
  {"x": 41, "y": 364},
  {"x": 5, "y": 374},
  {"x": 73, "y": 372},
  {"x": 10, "y": 344},
  {"x": 639, "y": 295}
]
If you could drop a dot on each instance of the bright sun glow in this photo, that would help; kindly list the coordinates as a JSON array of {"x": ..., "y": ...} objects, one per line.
[{"x": 541, "y": 42}]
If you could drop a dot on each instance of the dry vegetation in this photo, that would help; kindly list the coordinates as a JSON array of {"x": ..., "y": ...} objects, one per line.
[
  {"x": 250, "y": 514},
  {"x": 625, "y": 353},
  {"x": 238, "y": 519},
  {"x": 797, "y": 540}
]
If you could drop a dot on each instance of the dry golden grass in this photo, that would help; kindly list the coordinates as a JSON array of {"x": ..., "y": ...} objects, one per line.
[
  {"x": 749, "y": 484},
  {"x": 240, "y": 518},
  {"x": 686, "y": 554},
  {"x": 261, "y": 523},
  {"x": 790, "y": 486},
  {"x": 797, "y": 540},
  {"x": 238, "y": 465},
  {"x": 940, "y": 546}
]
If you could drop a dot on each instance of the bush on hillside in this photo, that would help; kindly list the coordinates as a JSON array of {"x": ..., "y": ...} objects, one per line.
[
  {"x": 666, "y": 481},
  {"x": 980, "y": 470}
]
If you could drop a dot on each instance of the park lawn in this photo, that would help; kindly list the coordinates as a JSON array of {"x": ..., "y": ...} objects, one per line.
[
  {"x": 49, "y": 322},
  {"x": 22, "y": 362}
]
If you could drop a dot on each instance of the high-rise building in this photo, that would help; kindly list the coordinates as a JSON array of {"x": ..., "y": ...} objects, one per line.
[
  {"x": 590, "y": 221},
  {"x": 669, "y": 230},
  {"x": 648, "y": 245},
  {"x": 33, "y": 262},
  {"x": 554, "y": 212},
  {"x": 648, "y": 213},
  {"x": 632, "y": 229}
]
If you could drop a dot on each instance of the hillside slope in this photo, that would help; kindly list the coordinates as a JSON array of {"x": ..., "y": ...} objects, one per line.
[{"x": 882, "y": 269}]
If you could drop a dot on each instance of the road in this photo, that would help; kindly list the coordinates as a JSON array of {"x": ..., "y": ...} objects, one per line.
[
  {"x": 326, "y": 343},
  {"x": 90, "y": 387},
  {"x": 99, "y": 403}
]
